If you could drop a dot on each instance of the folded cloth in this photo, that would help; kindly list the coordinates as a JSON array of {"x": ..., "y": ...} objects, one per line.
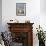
[
  {"x": 15, "y": 44},
  {"x": 0, "y": 45}
]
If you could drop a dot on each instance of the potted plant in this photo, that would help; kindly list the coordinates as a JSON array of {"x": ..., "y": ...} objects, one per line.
[{"x": 41, "y": 36}]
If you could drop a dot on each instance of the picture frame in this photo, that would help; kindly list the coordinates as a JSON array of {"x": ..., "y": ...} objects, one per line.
[{"x": 21, "y": 9}]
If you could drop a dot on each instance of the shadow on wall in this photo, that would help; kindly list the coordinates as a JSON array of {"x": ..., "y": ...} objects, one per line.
[
  {"x": 43, "y": 6},
  {"x": 0, "y": 23},
  {"x": 0, "y": 15}
]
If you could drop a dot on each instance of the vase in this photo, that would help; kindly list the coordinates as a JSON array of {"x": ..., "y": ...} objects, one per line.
[{"x": 41, "y": 43}]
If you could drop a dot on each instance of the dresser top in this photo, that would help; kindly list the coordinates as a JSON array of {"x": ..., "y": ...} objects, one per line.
[{"x": 19, "y": 23}]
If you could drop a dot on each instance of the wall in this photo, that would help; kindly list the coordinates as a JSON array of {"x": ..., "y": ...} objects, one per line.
[
  {"x": 43, "y": 14},
  {"x": 33, "y": 13},
  {"x": 9, "y": 11},
  {"x": 0, "y": 15},
  {"x": 43, "y": 6}
]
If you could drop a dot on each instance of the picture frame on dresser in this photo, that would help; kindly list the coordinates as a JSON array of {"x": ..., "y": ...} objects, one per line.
[{"x": 21, "y": 9}]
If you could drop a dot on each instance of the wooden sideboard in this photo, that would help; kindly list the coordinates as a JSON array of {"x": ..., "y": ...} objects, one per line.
[{"x": 22, "y": 33}]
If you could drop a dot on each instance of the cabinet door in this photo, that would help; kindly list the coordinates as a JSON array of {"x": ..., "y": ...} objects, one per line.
[{"x": 20, "y": 37}]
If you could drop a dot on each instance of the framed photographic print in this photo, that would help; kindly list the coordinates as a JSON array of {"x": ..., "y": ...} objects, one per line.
[{"x": 21, "y": 9}]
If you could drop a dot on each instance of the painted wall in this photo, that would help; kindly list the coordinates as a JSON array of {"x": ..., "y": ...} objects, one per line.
[
  {"x": 9, "y": 11},
  {"x": 33, "y": 13},
  {"x": 0, "y": 15}
]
